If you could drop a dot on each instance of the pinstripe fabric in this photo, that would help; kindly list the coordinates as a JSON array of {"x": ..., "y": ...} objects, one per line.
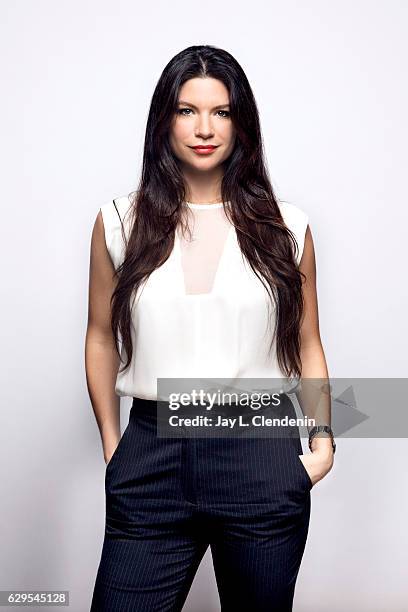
[{"x": 167, "y": 500}]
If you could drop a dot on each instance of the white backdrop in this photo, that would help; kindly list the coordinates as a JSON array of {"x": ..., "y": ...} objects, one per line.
[{"x": 330, "y": 82}]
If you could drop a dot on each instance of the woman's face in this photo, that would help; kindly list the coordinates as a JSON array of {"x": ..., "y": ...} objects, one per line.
[{"x": 202, "y": 118}]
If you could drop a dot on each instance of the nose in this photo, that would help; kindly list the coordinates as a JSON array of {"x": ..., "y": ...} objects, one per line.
[{"x": 204, "y": 128}]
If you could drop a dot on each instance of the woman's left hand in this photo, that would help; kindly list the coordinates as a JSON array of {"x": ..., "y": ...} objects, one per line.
[{"x": 318, "y": 463}]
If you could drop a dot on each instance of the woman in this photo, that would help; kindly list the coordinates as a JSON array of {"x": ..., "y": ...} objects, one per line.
[{"x": 186, "y": 275}]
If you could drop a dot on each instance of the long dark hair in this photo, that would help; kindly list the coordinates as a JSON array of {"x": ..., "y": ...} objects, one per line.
[{"x": 267, "y": 244}]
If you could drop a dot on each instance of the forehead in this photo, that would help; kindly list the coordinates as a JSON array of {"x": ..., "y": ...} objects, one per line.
[{"x": 204, "y": 90}]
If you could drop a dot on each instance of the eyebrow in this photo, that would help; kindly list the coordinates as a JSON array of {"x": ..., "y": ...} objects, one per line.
[{"x": 192, "y": 105}]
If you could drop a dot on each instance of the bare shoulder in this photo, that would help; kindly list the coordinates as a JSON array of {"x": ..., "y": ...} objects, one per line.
[
  {"x": 99, "y": 252},
  {"x": 308, "y": 261},
  {"x": 98, "y": 232}
]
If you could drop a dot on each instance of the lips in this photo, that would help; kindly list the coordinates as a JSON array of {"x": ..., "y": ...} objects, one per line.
[
  {"x": 200, "y": 149},
  {"x": 205, "y": 147}
]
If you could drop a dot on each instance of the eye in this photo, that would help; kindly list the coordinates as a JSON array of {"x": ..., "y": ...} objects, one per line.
[{"x": 187, "y": 111}]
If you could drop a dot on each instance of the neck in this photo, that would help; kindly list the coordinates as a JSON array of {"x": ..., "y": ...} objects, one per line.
[{"x": 203, "y": 187}]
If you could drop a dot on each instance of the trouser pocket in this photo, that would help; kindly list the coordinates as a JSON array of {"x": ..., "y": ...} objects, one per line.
[
  {"x": 304, "y": 473},
  {"x": 117, "y": 452}
]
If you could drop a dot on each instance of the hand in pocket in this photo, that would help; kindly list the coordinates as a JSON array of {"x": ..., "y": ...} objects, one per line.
[
  {"x": 108, "y": 455},
  {"x": 316, "y": 465}
]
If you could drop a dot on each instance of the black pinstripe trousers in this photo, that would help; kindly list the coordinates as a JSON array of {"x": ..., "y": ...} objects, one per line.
[{"x": 168, "y": 499}]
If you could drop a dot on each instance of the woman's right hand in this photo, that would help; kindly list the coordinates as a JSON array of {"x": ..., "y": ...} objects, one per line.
[{"x": 109, "y": 448}]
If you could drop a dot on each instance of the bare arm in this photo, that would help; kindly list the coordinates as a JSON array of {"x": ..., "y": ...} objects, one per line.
[
  {"x": 101, "y": 359},
  {"x": 313, "y": 403}
]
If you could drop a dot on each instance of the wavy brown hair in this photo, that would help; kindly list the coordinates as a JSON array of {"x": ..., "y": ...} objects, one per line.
[{"x": 157, "y": 205}]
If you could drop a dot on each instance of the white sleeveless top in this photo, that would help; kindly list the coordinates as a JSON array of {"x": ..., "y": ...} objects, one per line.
[{"x": 203, "y": 313}]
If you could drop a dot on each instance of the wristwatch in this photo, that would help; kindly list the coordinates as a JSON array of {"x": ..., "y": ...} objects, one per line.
[{"x": 316, "y": 430}]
